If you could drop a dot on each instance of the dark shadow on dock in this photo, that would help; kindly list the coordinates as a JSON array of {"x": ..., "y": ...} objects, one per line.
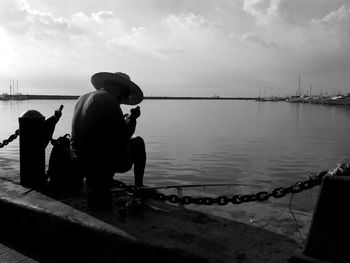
[{"x": 63, "y": 228}]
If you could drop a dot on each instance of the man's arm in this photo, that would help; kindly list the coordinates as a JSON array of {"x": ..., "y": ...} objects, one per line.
[{"x": 130, "y": 121}]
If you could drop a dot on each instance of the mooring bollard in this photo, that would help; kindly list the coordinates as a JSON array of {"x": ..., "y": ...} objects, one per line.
[
  {"x": 328, "y": 238},
  {"x": 32, "y": 148}
]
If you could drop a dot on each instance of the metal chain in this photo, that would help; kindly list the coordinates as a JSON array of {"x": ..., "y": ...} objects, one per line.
[
  {"x": 10, "y": 139},
  {"x": 278, "y": 192}
]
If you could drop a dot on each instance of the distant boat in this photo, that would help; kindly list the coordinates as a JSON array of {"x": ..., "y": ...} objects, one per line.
[
  {"x": 4, "y": 96},
  {"x": 298, "y": 97},
  {"x": 13, "y": 95},
  {"x": 17, "y": 96},
  {"x": 339, "y": 100},
  {"x": 293, "y": 99},
  {"x": 264, "y": 98}
]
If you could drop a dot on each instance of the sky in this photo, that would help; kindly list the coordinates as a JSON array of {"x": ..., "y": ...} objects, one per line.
[{"x": 177, "y": 48}]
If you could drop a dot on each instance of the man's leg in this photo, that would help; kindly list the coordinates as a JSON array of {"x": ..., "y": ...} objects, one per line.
[
  {"x": 99, "y": 183},
  {"x": 138, "y": 151},
  {"x": 99, "y": 189},
  {"x": 135, "y": 155}
]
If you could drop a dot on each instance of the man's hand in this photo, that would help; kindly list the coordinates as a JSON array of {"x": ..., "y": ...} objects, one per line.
[
  {"x": 135, "y": 113},
  {"x": 58, "y": 113}
]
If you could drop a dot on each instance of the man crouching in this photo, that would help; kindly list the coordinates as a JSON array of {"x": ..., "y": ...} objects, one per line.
[{"x": 102, "y": 135}]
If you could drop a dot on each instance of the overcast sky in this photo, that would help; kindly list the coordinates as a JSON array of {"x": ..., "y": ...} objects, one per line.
[{"x": 177, "y": 47}]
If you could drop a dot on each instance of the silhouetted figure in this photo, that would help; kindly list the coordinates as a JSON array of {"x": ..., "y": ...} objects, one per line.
[{"x": 102, "y": 134}]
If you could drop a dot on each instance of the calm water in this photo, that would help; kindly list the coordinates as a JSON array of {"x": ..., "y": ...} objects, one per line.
[{"x": 259, "y": 145}]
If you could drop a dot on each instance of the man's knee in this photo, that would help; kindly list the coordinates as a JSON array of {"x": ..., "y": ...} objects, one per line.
[
  {"x": 138, "y": 144},
  {"x": 139, "y": 141}
]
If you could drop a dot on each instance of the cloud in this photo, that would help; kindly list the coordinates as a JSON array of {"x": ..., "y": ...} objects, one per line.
[
  {"x": 255, "y": 38},
  {"x": 34, "y": 42},
  {"x": 134, "y": 40},
  {"x": 42, "y": 19},
  {"x": 27, "y": 21},
  {"x": 186, "y": 21},
  {"x": 18, "y": 17},
  {"x": 103, "y": 28},
  {"x": 336, "y": 19},
  {"x": 188, "y": 31},
  {"x": 172, "y": 34},
  {"x": 332, "y": 31},
  {"x": 227, "y": 44},
  {"x": 315, "y": 25},
  {"x": 102, "y": 24},
  {"x": 289, "y": 13},
  {"x": 262, "y": 10}
]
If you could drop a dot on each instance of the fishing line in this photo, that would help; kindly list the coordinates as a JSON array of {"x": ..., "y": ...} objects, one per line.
[
  {"x": 197, "y": 185},
  {"x": 295, "y": 220}
]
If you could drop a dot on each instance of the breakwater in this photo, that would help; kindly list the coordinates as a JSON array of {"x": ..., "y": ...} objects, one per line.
[
  {"x": 52, "y": 97},
  {"x": 197, "y": 98},
  {"x": 37, "y": 97},
  {"x": 74, "y": 97}
]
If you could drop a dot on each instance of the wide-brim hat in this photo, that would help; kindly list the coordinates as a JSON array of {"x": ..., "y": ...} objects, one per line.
[{"x": 135, "y": 93}]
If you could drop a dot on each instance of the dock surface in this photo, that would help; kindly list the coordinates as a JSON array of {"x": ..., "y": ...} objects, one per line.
[
  {"x": 66, "y": 229},
  {"x": 10, "y": 255}
]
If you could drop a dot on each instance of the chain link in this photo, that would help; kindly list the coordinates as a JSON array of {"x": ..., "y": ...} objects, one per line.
[
  {"x": 10, "y": 139},
  {"x": 278, "y": 192}
]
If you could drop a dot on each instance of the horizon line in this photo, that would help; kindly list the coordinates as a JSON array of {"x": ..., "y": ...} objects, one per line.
[{"x": 31, "y": 96}]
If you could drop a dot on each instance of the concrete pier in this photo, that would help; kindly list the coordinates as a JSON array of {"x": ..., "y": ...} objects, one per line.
[
  {"x": 9, "y": 255},
  {"x": 65, "y": 229}
]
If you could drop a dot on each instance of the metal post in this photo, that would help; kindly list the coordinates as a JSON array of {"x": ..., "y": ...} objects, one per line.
[
  {"x": 32, "y": 148},
  {"x": 328, "y": 238}
]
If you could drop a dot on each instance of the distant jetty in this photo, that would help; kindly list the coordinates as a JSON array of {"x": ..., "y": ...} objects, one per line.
[
  {"x": 37, "y": 97},
  {"x": 197, "y": 98},
  {"x": 74, "y": 97}
]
